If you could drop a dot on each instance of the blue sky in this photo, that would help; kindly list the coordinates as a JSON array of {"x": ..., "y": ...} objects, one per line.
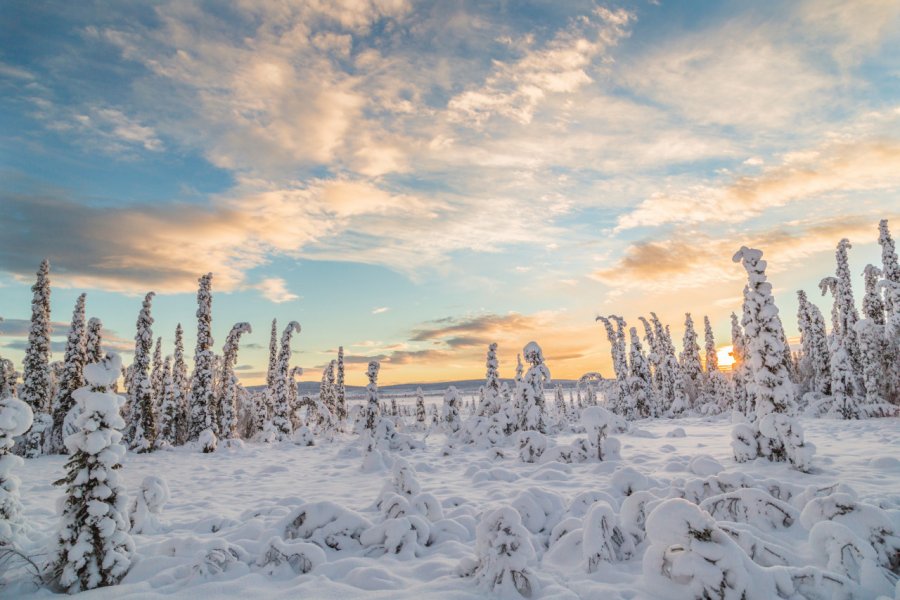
[{"x": 415, "y": 179}]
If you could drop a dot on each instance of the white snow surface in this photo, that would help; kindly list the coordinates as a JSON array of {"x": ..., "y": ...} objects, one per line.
[{"x": 291, "y": 521}]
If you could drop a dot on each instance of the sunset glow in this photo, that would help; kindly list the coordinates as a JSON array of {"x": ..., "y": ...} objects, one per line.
[{"x": 726, "y": 360}]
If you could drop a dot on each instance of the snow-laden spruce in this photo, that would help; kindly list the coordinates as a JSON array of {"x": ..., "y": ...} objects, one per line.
[
  {"x": 284, "y": 382},
  {"x": 530, "y": 398},
  {"x": 93, "y": 547},
  {"x": 229, "y": 386},
  {"x": 202, "y": 398},
  {"x": 15, "y": 419},
  {"x": 814, "y": 345},
  {"x": 141, "y": 433},
  {"x": 71, "y": 379},
  {"x": 181, "y": 387},
  {"x": 774, "y": 434},
  {"x": 37, "y": 386},
  {"x": 93, "y": 341}
]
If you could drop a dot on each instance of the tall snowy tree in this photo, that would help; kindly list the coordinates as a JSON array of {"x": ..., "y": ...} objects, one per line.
[
  {"x": 653, "y": 362},
  {"x": 168, "y": 407},
  {"x": 531, "y": 400},
  {"x": 778, "y": 437},
  {"x": 847, "y": 307},
  {"x": 690, "y": 354},
  {"x": 639, "y": 382},
  {"x": 872, "y": 304},
  {"x": 272, "y": 373},
  {"x": 890, "y": 267},
  {"x": 142, "y": 429},
  {"x": 202, "y": 399},
  {"x": 420, "y": 406},
  {"x": 93, "y": 545},
  {"x": 156, "y": 374},
  {"x": 326, "y": 387},
  {"x": 283, "y": 383},
  {"x": 8, "y": 378},
  {"x": 36, "y": 384},
  {"x": 228, "y": 401},
  {"x": 94, "y": 341},
  {"x": 340, "y": 399},
  {"x": 709, "y": 346},
  {"x": 72, "y": 377},
  {"x": 490, "y": 391},
  {"x": 619, "y": 358},
  {"x": 181, "y": 387},
  {"x": 814, "y": 343},
  {"x": 373, "y": 408}
]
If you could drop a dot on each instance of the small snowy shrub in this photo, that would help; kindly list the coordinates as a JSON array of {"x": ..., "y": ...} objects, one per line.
[
  {"x": 532, "y": 445},
  {"x": 208, "y": 441},
  {"x": 691, "y": 557},
  {"x": 325, "y": 524},
  {"x": 503, "y": 554},
  {"x": 752, "y": 506},
  {"x": 147, "y": 505},
  {"x": 294, "y": 556},
  {"x": 599, "y": 423},
  {"x": 303, "y": 436},
  {"x": 604, "y": 539},
  {"x": 15, "y": 419},
  {"x": 404, "y": 536}
]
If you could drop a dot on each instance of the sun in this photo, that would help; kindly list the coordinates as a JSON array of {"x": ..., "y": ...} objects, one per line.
[{"x": 726, "y": 360}]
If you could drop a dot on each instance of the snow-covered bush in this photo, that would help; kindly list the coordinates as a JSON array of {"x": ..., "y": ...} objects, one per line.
[
  {"x": 293, "y": 556},
  {"x": 503, "y": 554},
  {"x": 540, "y": 510},
  {"x": 406, "y": 536},
  {"x": 15, "y": 419},
  {"x": 303, "y": 436},
  {"x": 325, "y": 524},
  {"x": 208, "y": 441},
  {"x": 751, "y": 505},
  {"x": 840, "y": 550},
  {"x": 147, "y": 505},
  {"x": 531, "y": 445},
  {"x": 599, "y": 423},
  {"x": 93, "y": 545},
  {"x": 604, "y": 539},
  {"x": 691, "y": 557}
]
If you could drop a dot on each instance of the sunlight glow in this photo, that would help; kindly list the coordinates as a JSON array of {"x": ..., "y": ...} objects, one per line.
[{"x": 726, "y": 360}]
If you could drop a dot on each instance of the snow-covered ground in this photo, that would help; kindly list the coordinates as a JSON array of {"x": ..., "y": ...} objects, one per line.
[{"x": 216, "y": 530}]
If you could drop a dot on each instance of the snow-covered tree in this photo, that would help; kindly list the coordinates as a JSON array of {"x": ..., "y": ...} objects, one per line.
[
  {"x": 709, "y": 346},
  {"x": 814, "y": 343},
  {"x": 181, "y": 387},
  {"x": 284, "y": 382},
  {"x": 340, "y": 398},
  {"x": 846, "y": 399},
  {"x": 94, "y": 341},
  {"x": 93, "y": 545},
  {"x": 72, "y": 377},
  {"x": 742, "y": 400},
  {"x": 640, "y": 385},
  {"x": 373, "y": 408},
  {"x": 450, "y": 411},
  {"x": 15, "y": 419},
  {"x": 619, "y": 358},
  {"x": 272, "y": 373},
  {"x": 36, "y": 383},
  {"x": 778, "y": 436},
  {"x": 420, "y": 406},
  {"x": 326, "y": 388},
  {"x": 490, "y": 391},
  {"x": 890, "y": 267},
  {"x": 846, "y": 306},
  {"x": 168, "y": 407},
  {"x": 202, "y": 392},
  {"x": 872, "y": 304},
  {"x": 531, "y": 392},
  {"x": 142, "y": 429},
  {"x": 690, "y": 354},
  {"x": 228, "y": 401},
  {"x": 8, "y": 378}
]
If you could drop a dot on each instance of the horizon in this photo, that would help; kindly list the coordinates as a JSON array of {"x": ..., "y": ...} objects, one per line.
[{"x": 414, "y": 181}]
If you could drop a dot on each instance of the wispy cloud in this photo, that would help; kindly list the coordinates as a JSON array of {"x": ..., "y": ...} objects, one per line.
[
  {"x": 274, "y": 289},
  {"x": 380, "y": 310}
]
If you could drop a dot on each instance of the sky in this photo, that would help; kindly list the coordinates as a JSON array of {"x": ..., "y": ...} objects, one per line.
[{"x": 414, "y": 180}]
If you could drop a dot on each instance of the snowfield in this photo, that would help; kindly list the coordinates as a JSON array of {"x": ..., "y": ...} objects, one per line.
[{"x": 286, "y": 521}]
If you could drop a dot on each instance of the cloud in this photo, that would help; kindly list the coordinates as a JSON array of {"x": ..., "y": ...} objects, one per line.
[
  {"x": 690, "y": 259},
  {"x": 274, "y": 289},
  {"x": 835, "y": 166},
  {"x": 380, "y": 310},
  {"x": 472, "y": 331},
  {"x": 740, "y": 73},
  {"x": 514, "y": 90},
  {"x": 849, "y": 31}
]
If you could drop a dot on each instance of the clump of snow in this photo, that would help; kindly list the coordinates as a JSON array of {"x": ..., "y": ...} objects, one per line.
[
  {"x": 293, "y": 557},
  {"x": 208, "y": 441},
  {"x": 147, "y": 505},
  {"x": 504, "y": 554}
]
